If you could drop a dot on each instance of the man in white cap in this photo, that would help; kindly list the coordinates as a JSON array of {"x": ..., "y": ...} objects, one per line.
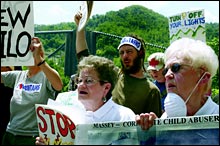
[
  {"x": 155, "y": 69},
  {"x": 134, "y": 89}
]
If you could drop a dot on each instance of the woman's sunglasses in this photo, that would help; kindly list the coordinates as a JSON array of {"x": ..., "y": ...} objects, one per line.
[{"x": 174, "y": 68}]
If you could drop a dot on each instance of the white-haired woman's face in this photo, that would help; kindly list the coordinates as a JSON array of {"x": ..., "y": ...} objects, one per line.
[{"x": 181, "y": 78}]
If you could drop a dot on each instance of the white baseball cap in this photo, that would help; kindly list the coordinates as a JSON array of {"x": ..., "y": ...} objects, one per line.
[
  {"x": 155, "y": 61},
  {"x": 130, "y": 41}
]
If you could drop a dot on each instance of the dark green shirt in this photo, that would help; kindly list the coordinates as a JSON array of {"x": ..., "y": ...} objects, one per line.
[{"x": 140, "y": 95}]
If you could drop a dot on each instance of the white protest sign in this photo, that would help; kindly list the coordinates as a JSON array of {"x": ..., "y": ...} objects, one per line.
[
  {"x": 187, "y": 24},
  {"x": 86, "y": 9},
  {"x": 17, "y": 29},
  {"x": 191, "y": 130},
  {"x": 58, "y": 119},
  {"x": 57, "y": 123}
]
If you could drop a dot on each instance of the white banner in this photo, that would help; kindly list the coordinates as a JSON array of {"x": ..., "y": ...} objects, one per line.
[
  {"x": 201, "y": 130},
  {"x": 17, "y": 29},
  {"x": 65, "y": 125}
]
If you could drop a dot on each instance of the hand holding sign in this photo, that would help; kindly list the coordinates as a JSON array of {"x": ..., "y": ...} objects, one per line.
[
  {"x": 85, "y": 10},
  {"x": 37, "y": 48}
]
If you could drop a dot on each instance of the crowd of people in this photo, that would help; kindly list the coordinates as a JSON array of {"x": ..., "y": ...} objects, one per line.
[
  {"x": 182, "y": 78},
  {"x": 132, "y": 79}
]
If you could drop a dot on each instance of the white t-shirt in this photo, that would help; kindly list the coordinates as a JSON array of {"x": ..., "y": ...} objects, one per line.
[{"x": 110, "y": 111}]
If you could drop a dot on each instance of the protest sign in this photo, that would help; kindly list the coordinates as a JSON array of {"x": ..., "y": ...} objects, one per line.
[
  {"x": 190, "y": 130},
  {"x": 65, "y": 125},
  {"x": 202, "y": 130},
  {"x": 64, "y": 121},
  {"x": 107, "y": 133},
  {"x": 187, "y": 24},
  {"x": 57, "y": 123},
  {"x": 86, "y": 9},
  {"x": 17, "y": 30}
]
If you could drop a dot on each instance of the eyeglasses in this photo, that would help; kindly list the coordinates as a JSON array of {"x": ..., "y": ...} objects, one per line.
[
  {"x": 174, "y": 68},
  {"x": 89, "y": 81}
]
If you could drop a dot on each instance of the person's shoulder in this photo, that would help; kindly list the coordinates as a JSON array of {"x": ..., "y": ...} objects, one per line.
[
  {"x": 126, "y": 112},
  {"x": 152, "y": 85}
]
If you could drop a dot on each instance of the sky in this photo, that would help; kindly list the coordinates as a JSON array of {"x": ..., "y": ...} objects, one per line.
[{"x": 54, "y": 12}]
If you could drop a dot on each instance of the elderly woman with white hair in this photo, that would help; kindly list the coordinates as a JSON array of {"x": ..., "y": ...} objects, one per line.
[{"x": 190, "y": 66}]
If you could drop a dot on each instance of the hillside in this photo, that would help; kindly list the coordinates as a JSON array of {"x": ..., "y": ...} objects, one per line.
[{"x": 151, "y": 26}]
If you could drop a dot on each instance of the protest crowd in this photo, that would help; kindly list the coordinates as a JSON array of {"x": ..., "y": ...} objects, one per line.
[{"x": 102, "y": 95}]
